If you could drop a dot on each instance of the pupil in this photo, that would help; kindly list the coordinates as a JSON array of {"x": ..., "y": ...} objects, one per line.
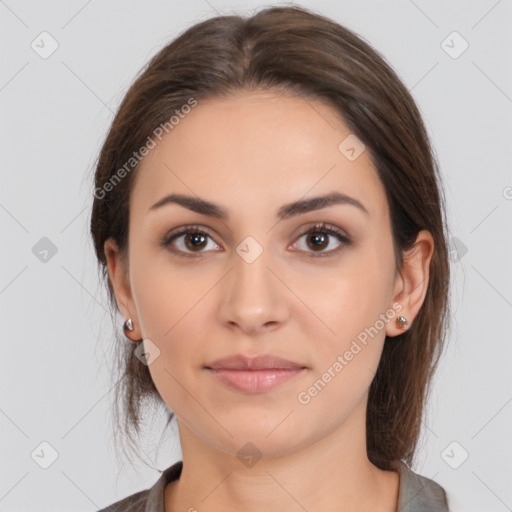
[
  {"x": 195, "y": 237},
  {"x": 319, "y": 237}
]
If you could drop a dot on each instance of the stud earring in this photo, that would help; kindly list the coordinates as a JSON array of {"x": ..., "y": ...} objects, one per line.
[
  {"x": 401, "y": 322},
  {"x": 128, "y": 326}
]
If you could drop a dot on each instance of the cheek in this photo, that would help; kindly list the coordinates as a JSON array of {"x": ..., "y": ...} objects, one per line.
[
  {"x": 347, "y": 331},
  {"x": 181, "y": 343},
  {"x": 166, "y": 295},
  {"x": 344, "y": 362},
  {"x": 343, "y": 369},
  {"x": 344, "y": 306},
  {"x": 174, "y": 312},
  {"x": 169, "y": 312}
]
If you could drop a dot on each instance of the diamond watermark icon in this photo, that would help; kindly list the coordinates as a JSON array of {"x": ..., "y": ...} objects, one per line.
[
  {"x": 351, "y": 147},
  {"x": 146, "y": 352},
  {"x": 454, "y": 45},
  {"x": 44, "y": 250},
  {"x": 249, "y": 454},
  {"x": 44, "y": 45},
  {"x": 454, "y": 455},
  {"x": 249, "y": 249},
  {"x": 44, "y": 455},
  {"x": 456, "y": 249}
]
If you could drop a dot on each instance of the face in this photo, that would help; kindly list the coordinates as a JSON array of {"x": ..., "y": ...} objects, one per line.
[{"x": 256, "y": 283}]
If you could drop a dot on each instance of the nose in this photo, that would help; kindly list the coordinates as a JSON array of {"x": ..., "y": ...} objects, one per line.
[{"x": 254, "y": 298}]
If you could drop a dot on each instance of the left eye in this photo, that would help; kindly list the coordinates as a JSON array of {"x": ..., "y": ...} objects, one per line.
[
  {"x": 317, "y": 237},
  {"x": 195, "y": 240}
]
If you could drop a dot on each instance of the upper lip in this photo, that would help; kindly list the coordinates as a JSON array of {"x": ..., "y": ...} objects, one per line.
[{"x": 241, "y": 362}]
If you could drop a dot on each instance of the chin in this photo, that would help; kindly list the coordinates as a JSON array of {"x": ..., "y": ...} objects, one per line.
[{"x": 268, "y": 436}]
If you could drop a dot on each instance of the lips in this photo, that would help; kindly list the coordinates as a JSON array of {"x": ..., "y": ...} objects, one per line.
[
  {"x": 265, "y": 362},
  {"x": 254, "y": 374}
]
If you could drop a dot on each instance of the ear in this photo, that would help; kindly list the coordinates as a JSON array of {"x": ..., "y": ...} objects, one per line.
[
  {"x": 118, "y": 274},
  {"x": 411, "y": 282}
]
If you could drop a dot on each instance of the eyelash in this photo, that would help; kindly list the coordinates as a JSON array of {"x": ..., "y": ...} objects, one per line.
[{"x": 317, "y": 228}]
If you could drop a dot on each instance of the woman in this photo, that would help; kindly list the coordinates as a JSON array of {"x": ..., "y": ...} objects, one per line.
[{"x": 270, "y": 222}]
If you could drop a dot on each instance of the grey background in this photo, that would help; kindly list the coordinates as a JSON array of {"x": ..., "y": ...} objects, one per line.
[{"x": 56, "y": 334}]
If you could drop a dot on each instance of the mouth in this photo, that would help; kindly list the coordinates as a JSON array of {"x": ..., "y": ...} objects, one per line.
[
  {"x": 255, "y": 381},
  {"x": 256, "y": 374}
]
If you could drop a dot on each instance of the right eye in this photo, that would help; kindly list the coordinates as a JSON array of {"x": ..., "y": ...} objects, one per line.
[{"x": 186, "y": 240}]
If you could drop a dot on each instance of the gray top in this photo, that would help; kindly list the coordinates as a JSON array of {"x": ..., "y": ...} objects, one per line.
[{"x": 416, "y": 494}]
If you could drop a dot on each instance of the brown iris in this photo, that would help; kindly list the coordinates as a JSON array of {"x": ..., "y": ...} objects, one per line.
[
  {"x": 316, "y": 236},
  {"x": 195, "y": 240}
]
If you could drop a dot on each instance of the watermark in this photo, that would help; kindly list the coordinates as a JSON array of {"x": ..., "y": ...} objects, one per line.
[
  {"x": 456, "y": 249},
  {"x": 44, "y": 45},
  {"x": 44, "y": 454},
  {"x": 304, "y": 397},
  {"x": 454, "y": 45},
  {"x": 249, "y": 249},
  {"x": 351, "y": 147},
  {"x": 249, "y": 454},
  {"x": 454, "y": 455},
  {"x": 147, "y": 351},
  {"x": 137, "y": 156}
]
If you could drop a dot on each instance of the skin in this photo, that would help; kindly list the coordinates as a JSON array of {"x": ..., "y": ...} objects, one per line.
[{"x": 251, "y": 153}]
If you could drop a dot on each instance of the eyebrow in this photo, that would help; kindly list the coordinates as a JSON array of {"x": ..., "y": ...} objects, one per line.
[{"x": 286, "y": 211}]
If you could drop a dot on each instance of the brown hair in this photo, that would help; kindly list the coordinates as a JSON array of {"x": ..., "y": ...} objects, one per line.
[{"x": 292, "y": 49}]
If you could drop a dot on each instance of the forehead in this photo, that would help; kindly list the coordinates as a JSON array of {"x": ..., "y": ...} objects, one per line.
[{"x": 247, "y": 149}]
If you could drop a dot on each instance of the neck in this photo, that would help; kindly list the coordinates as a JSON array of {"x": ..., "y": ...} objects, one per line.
[{"x": 331, "y": 474}]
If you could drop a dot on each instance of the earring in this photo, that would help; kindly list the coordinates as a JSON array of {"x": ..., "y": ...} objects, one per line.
[
  {"x": 128, "y": 326},
  {"x": 401, "y": 322}
]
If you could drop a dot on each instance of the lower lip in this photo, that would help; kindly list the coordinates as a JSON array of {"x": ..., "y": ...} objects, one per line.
[{"x": 255, "y": 381}]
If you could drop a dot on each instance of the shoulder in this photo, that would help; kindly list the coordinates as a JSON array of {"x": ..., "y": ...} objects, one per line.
[
  {"x": 149, "y": 500},
  {"x": 419, "y": 493},
  {"x": 133, "y": 503}
]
